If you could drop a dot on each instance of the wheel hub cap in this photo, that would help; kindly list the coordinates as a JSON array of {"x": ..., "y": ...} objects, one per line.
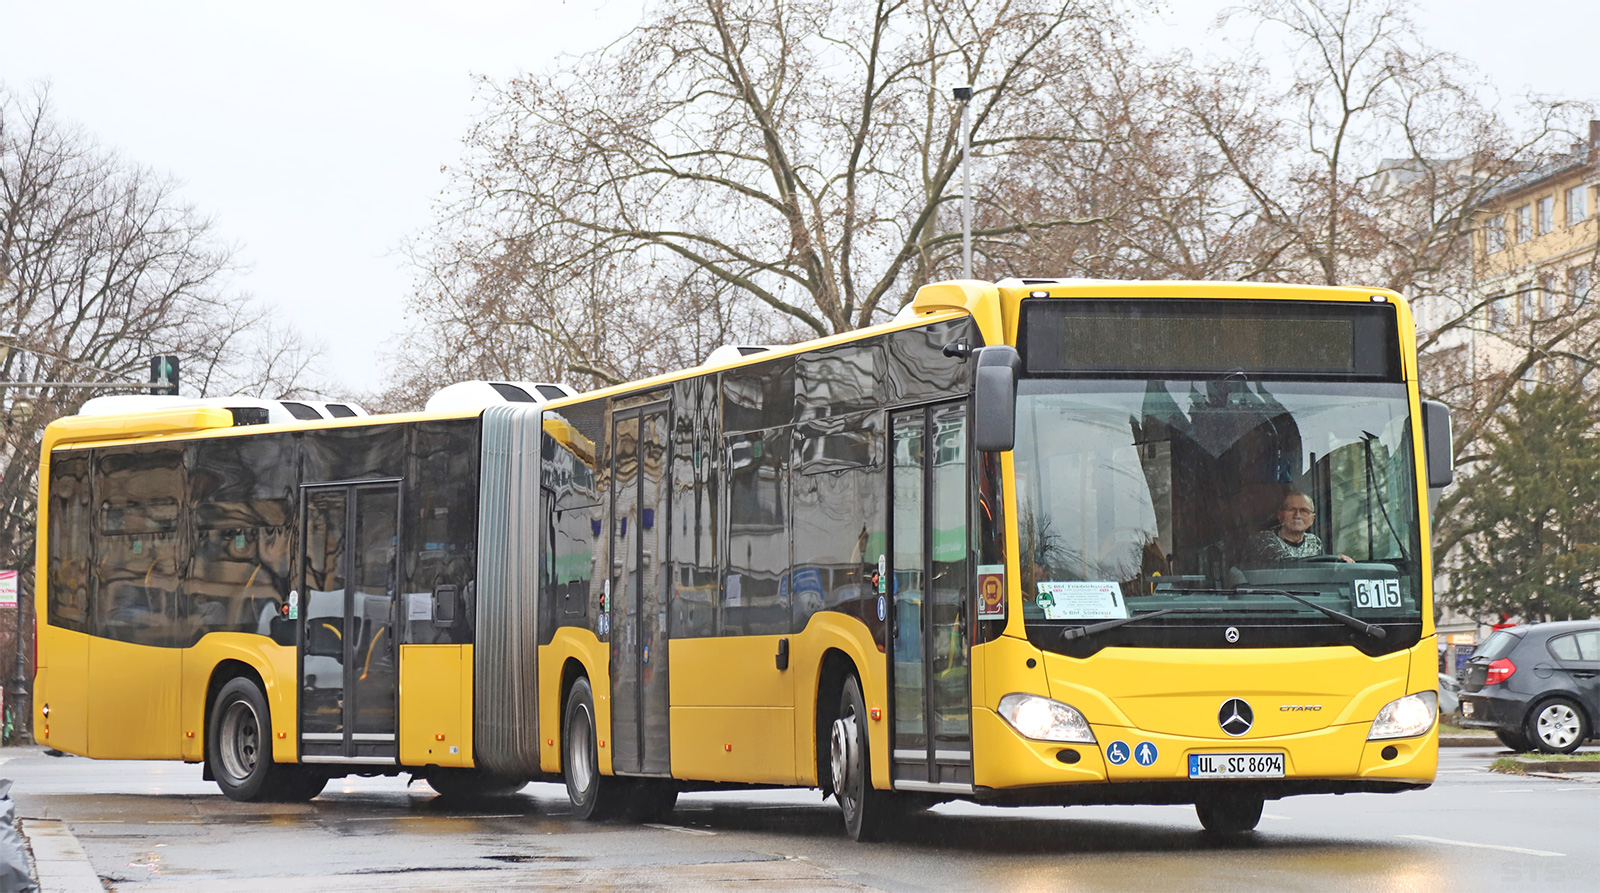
[
  {"x": 841, "y": 753},
  {"x": 1558, "y": 725}
]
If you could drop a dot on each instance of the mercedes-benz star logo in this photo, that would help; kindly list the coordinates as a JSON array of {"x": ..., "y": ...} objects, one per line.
[
  {"x": 1231, "y": 634},
  {"x": 1235, "y": 717}
]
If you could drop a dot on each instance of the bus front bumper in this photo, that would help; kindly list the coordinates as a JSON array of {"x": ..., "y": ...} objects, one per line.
[{"x": 1128, "y": 765}]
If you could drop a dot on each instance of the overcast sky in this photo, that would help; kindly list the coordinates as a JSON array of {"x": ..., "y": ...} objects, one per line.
[{"x": 313, "y": 132}]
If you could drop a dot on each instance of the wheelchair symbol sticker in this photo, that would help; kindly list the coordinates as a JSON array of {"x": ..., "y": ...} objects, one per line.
[
  {"x": 1145, "y": 753},
  {"x": 1117, "y": 752}
]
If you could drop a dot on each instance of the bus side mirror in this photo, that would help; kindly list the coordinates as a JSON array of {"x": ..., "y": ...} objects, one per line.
[
  {"x": 1436, "y": 443},
  {"x": 994, "y": 398}
]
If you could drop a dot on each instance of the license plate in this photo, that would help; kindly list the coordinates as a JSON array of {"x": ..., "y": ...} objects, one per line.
[
  {"x": 1466, "y": 708},
  {"x": 1236, "y": 765}
]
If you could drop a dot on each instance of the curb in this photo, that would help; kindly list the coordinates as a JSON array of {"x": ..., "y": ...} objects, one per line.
[
  {"x": 61, "y": 863},
  {"x": 1559, "y": 766}
]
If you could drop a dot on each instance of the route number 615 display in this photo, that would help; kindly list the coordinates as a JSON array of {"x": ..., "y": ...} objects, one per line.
[{"x": 1377, "y": 593}]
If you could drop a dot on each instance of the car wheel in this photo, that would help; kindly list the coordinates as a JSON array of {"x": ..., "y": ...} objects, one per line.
[
  {"x": 1513, "y": 740},
  {"x": 1557, "y": 726}
]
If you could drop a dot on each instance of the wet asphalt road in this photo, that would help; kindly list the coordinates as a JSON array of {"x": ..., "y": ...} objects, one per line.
[{"x": 159, "y": 826}]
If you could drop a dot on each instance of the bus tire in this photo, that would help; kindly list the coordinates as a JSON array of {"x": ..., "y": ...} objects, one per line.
[
  {"x": 1229, "y": 812},
  {"x": 594, "y": 797},
  {"x": 239, "y": 745},
  {"x": 473, "y": 784},
  {"x": 868, "y": 812}
]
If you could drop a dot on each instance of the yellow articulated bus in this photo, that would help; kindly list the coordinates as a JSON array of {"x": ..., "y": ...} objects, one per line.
[{"x": 1034, "y": 542}]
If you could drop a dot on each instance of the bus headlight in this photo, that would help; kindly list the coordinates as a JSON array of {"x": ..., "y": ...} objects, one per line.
[
  {"x": 1044, "y": 720},
  {"x": 1407, "y": 717}
]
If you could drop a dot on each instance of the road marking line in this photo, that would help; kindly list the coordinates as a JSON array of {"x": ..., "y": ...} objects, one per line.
[
  {"x": 1483, "y": 846},
  {"x": 681, "y": 830}
]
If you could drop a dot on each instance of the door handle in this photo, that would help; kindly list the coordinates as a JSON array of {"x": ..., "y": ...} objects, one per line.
[
  {"x": 1584, "y": 674},
  {"x": 782, "y": 659}
]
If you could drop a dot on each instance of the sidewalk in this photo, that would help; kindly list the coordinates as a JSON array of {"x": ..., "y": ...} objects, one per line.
[{"x": 59, "y": 862}]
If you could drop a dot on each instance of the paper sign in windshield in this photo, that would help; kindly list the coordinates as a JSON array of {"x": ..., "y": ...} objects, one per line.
[{"x": 1081, "y": 600}]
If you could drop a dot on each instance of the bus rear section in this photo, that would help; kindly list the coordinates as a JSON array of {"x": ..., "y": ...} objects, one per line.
[{"x": 284, "y": 603}]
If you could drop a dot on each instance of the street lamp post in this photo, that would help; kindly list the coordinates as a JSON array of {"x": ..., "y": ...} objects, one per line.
[{"x": 963, "y": 95}]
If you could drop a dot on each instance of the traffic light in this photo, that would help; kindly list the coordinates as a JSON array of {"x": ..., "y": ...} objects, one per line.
[{"x": 164, "y": 375}]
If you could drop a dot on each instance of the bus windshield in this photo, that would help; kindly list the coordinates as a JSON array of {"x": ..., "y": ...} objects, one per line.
[{"x": 1216, "y": 502}]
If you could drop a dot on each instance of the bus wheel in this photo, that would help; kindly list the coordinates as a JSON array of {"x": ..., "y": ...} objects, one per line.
[
  {"x": 594, "y": 797},
  {"x": 239, "y": 745},
  {"x": 473, "y": 784},
  {"x": 1230, "y": 812},
  {"x": 868, "y": 812}
]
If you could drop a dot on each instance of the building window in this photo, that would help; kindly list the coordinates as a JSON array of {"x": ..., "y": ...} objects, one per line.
[
  {"x": 1577, "y": 205},
  {"x": 1548, "y": 289},
  {"x": 1494, "y": 234},
  {"x": 1578, "y": 284},
  {"x": 1494, "y": 312},
  {"x": 1547, "y": 214},
  {"x": 1528, "y": 304},
  {"x": 1524, "y": 223}
]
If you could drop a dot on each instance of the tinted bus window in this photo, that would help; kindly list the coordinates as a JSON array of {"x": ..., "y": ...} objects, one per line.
[
  {"x": 839, "y": 488},
  {"x": 72, "y": 514},
  {"x": 440, "y": 529},
  {"x": 754, "y": 596},
  {"x": 138, "y": 554},
  {"x": 694, "y": 542},
  {"x": 758, "y": 396},
  {"x": 244, "y": 494}
]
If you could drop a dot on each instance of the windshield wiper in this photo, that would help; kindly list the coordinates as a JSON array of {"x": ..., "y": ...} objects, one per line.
[
  {"x": 1371, "y": 629},
  {"x": 1073, "y": 633}
]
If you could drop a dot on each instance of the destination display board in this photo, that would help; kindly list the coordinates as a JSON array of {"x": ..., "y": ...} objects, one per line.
[{"x": 1340, "y": 340}]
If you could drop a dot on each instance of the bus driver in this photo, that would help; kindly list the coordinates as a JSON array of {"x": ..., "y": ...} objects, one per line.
[{"x": 1293, "y": 539}]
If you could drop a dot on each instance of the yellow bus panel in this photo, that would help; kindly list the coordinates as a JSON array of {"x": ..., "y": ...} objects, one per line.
[
  {"x": 436, "y": 705},
  {"x": 580, "y": 646},
  {"x": 733, "y": 710},
  {"x": 61, "y": 690},
  {"x": 228, "y": 654},
  {"x": 742, "y": 744},
  {"x": 729, "y": 671},
  {"x": 830, "y": 631},
  {"x": 135, "y": 700}
]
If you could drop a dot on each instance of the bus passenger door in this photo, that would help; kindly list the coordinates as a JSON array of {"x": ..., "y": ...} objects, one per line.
[
  {"x": 931, "y": 581},
  {"x": 639, "y": 727},
  {"x": 348, "y": 654}
]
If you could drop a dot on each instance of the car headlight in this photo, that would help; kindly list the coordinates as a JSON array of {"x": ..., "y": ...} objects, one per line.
[
  {"x": 1044, "y": 720},
  {"x": 1406, "y": 717}
]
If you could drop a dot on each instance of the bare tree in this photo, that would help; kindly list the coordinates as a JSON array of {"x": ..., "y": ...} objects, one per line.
[
  {"x": 105, "y": 267},
  {"x": 785, "y": 166}
]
